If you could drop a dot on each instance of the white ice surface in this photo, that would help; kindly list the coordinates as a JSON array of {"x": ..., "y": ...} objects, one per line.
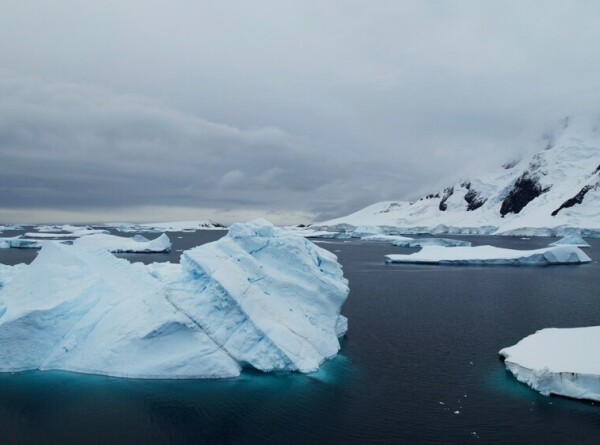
[
  {"x": 571, "y": 240},
  {"x": 387, "y": 238},
  {"x": 115, "y": 244},
  {"x": 422, "y": 242},
  {"x": 73, "y": 234},
  {"x": 260, "y": 297},
  {"x": 493, "y": 255},
  {"x": 558, "y": 361}
]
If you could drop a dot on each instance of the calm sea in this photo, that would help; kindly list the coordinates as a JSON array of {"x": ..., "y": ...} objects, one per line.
[{"x": 419, "y": 365}]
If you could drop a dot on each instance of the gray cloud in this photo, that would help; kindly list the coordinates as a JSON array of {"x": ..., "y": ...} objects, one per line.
[{"x": 306, "y": 108}]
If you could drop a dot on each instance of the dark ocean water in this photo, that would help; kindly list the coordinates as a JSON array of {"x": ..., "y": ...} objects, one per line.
[{"x": 422, "y": 345}]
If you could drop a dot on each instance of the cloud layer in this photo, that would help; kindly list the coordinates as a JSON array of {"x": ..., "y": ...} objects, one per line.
[{"x": 303, "y": 109}]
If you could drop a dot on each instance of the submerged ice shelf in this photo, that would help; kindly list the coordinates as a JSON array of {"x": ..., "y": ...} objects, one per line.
[
  {"x": 260, "y": 297},
  {"x": 493, "y": 255},
  {"x": 558, "y": 361}
]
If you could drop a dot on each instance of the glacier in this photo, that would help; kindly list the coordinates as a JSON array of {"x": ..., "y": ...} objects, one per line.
[
  {"x": 120, "y": 244},
  {"x": 492, "y": 255},
  {"x": 558, "y": 361},
  {"x": 552, "y": 192},
  {"x": 260, "y": 297}
]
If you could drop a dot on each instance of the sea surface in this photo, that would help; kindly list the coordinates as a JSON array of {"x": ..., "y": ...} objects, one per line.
[{"x": 419, "y": 365}]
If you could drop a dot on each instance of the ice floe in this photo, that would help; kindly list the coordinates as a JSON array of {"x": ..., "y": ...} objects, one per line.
[
  {"x": 493, "y": 255},
  {"x": 422, "y": 242},
  {"x": 571, "y": 240},
  {"x": 564, "y": 362},
  {"x": 120, "y": 244}
]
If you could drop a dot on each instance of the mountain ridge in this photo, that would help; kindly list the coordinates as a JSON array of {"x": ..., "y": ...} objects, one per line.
[{"x": 554, "y": 191}]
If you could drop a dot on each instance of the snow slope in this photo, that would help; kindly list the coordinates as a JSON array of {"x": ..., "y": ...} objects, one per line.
[
  {"x": 259, "y": 297},
  {"x": 558, "y": 361},
  {"x": 551, "y": 193},
  {"x": 493, "y": 255}
]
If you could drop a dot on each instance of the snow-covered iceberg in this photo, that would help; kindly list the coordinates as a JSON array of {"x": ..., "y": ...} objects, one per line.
[
  {"x": 423, "y": 242},
  {"x": 493, "y": 255},
  {"x": 120, "y": 244},
  {"x": 4, "y": 244},
  {"x": 571, "y": 240},
  {"x": 260, "y": 297},
  {"x": 558, "y": 361}
]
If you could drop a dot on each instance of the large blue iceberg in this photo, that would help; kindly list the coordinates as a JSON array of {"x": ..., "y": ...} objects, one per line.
[{"x": 260, "y": 297}]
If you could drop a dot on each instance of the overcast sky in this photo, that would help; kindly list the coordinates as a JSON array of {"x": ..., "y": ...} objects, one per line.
[{"x": 292, "y": 110}]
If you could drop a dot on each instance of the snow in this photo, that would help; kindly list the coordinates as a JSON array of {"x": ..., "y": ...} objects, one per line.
[
  {"x": 558, "y": 361},
  {"x": 567, "y": 167},
  {"x": 571, "y": 240},
  {"x": 422, "y": 242},
  {"x": 493, "y": 255},
  {"x": 115, "y": 244},
  {"x": 260, "y": 297}
]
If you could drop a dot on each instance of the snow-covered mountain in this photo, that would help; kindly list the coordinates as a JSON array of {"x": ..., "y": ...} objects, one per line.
[{"x": 550, "y": 193}]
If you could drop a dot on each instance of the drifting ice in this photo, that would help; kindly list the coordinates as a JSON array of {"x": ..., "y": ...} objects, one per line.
[
  {"x": 493, "y": 255},
  {"x": 260, "y": 297},
  {"x": 117, "y": 244},
  {"x": 422, "y": 242},
  {"x": 571, "y": 240},
  {"x": 558, "y": 361}
]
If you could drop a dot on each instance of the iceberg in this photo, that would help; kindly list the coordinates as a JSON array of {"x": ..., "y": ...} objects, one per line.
[
  {"x": 386, "y": 238},
  {"x": 493, "y": 255},
  {"x": 18, "y": 242},
  {"x": 260, "y": 297},
  {"x": 119, "y": 244},
  {"x": 178, "y": 226},
  {"x": 73, "y": 234},
  {"x": 4, "y": 244},
  {"x": 423, "y": 242},
  {"x": 571, "y": 240},
  {"x": 564, "y": 362}
]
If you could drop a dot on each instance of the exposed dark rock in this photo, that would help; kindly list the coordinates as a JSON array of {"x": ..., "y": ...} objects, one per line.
[
  {"x": 474, "y": 200},
  {"x": 525, "y": 190},
  {"x": 577, "y": 199},
  {"x": 510, "y": 164},
  {"x": 432, "y": 195},
  {"x": 448, "y": 192},
  {"x": 597, "y": 169}
]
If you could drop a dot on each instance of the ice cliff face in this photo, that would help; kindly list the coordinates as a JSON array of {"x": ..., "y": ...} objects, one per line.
[
  {"x": 259, "y": 297},
  {"x": 555, "y": 190}
]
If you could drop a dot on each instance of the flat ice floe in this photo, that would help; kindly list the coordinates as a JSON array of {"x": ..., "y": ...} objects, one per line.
[
  {"x": 493, "y": 255},
  {"x": 571, "y": 240},
  {"x": 422, "y": 242},
  {"x": 260, "y": 297},
  {"x": 120, "y": 244},
  {"x": 564, "y": 362}
]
